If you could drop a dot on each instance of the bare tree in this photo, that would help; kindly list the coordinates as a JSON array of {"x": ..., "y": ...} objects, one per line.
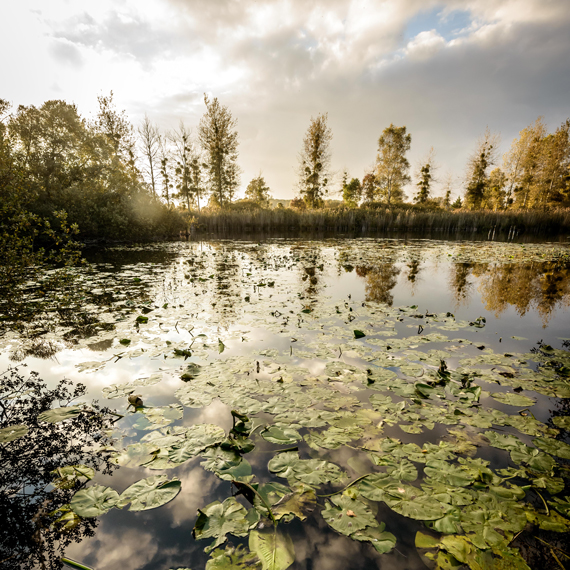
[{"x": 149, "y": 141}]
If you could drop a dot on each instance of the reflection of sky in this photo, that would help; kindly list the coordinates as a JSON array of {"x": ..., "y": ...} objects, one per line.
[{"x": 161, "y": 538}]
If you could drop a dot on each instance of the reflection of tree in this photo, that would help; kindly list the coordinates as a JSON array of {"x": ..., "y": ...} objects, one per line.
[
  {"x": 460, "y": 283},
  {"x": 536, "y": 285},
  {"x": 310, "y": 267},
  {"x": 30, "y": 536},
  {"x": 413, "y": 270},
  {"x": 380, "y": 280}
]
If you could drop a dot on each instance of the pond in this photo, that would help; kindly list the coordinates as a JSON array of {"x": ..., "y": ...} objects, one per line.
[{"x": 320, "y": 404}]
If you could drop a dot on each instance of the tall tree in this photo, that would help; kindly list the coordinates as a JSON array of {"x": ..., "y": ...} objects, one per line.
[
  {"x": 392, "y": 165},
  {"x": 219, "y": 139},
  {"x": 521, "y": 163},
  {"x": 484, "y": 156},
  {"x": 368, "y": 187},
  {"x": 554, "y": 176},
  {"x": 149, "y": 140},
  {"x": 258, "y": 191},
  {"x": 182, "y": 157},
  {"x": 495, "y": 194},
  {"x": 425, "y": 178},
  {"x": 314, "y": 162},
  {"x": 117, "y": 129},
  {"x": 352, "y": 192}
]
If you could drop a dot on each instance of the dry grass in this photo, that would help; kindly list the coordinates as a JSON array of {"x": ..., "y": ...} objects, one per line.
[{"x": 365, "y": 221}]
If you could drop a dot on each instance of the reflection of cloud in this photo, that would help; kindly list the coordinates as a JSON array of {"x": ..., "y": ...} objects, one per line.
[
  {"x": 111, "y": 550},
  {"x": 197, "y": 484}
]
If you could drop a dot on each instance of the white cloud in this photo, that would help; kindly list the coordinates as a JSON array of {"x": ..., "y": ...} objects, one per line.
[{"x": 277, "y": 62}]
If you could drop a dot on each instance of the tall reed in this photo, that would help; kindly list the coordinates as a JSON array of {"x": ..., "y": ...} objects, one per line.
[{"x": 362, "y": 221}]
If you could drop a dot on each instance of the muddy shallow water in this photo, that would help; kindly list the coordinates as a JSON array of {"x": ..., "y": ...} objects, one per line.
[{"x": 419, "y": 380}]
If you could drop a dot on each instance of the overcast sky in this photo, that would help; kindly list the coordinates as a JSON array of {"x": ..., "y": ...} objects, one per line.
[{"x": 446, "y": 70}]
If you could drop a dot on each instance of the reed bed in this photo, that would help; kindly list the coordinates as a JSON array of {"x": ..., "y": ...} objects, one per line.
[{"x": 365, "y": 221}]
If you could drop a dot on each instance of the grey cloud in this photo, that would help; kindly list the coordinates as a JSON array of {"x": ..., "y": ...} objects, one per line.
[
  {"x": 135, "y": 37},
  {"x": 66, "y": 52}
]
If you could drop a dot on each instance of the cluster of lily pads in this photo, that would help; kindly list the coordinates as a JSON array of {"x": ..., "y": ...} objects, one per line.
[{"x": 342, "y": 379}]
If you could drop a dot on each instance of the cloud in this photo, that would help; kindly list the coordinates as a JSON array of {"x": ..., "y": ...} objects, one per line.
[{"x": 445, "y": 69}]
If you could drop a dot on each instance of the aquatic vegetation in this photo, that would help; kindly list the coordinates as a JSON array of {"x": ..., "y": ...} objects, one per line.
[{"x": 419, "y": 417}]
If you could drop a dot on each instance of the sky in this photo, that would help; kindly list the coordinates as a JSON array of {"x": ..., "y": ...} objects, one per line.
[{"x": 444, "y": 69}]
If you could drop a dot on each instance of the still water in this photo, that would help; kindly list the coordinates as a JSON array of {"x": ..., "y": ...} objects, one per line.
[{"x": 382, "y": 369}]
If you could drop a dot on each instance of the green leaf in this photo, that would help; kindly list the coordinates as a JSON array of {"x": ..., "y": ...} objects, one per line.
[
  {"x": 149, "y": 493},
  {"x": 218, "y": 519},
  {"x": 359, "y": 334},
  {"x": 274, "y": 549},
  {"x": 60, "y": 414},
  {"x": 382, "y": 541},
  {"x": 281, "y": 435},
  {"x": 513, "y": 399},
  {"x": 562, "y": 422},
  {"x": 348, "y": 515},
  {"x": 142, "y": 320},
  {"x": 298, "y": 503},
  {"x": 11, "y": 433},
  {"x": 233, "y": 559},
  {"x": 94, "y": 501},
  {"x": 403, "y": 471},
  {"x": 198, "y": 438},
  {"x": 553, "y": 446}
]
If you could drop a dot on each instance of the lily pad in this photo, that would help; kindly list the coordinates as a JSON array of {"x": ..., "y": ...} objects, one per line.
[
  {"x": 11, "y": 433},
  {"x": 94, "y": 501},
  {"x": 216, "y": 520},
  {"x": 275, "y": 550},
  {"x": 149, "y": 493}
]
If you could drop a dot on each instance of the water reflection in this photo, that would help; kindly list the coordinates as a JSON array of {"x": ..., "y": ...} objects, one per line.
[
  {"x": 380, "y": 280},
  {"x": 539, "y": 286},
  {"x": 37, "y": 526}
]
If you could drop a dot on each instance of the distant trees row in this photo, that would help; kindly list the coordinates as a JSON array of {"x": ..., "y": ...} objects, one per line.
[{"x": 535, "y": 172}]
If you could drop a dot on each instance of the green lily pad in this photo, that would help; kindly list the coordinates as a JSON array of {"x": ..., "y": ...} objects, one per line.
[
  {"x": 59, "y": 414},
  {"x": 233, "y": 559},
  {"x": 281, "y": 435},
  {"x": 149, "y": 493},
  {"x": 347, "y": 515},
  {"x": 380, "y": 539},
  {"x": 11, "y": 433},
  {"x": 553, "y": 446},
  {"x": 94, "y": 501},
  {"x": 513, "y": 399},
  {"x": 216, "y": 520},
  {"x": 275, "y": 550}
]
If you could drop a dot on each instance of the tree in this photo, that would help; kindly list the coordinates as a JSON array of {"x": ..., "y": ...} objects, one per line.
[
  {"x": 182, "y": 157},
  {"x": 258, "y": 191},
  {"x": 519, "y": 162},
  {"x": 166, "y": 171},
  {"x": 495, "y": 193},
  {"x": 554, "y": 175},
  {"x": 219, "y": 140},
  {"x": 314, "y": 162},
  {"x": 484, "y": 156},
  {"x": 391, "y": 164},
  {"x": 117, "y": 129},
  {"x": 426, "y": 178},
  {"x": 352, "y": 192},
  {"x": 368, "y": 187},
  {"x": 149, "y": 140},
  {"x": 448, "y": 189}
]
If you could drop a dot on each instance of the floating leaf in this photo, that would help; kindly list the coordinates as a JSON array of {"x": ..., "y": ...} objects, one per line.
[
  {"x": 381, "y": 540},
  {"x": 94, "y": 501},
  {"x": 513, "y": 399},
  {"x": 359, "y": 334},
  {"x": 275, "y": 550},
  {"x": 347, "y": 515},
  {"x": 11, "y": 433},
  {"x": 281, "y": 435},
  {"x": 233, "y": 559},
  {"x": 218, "y": 519},
  {"x": 149, "y": 493},
  {"x": 60, "y": 414}
]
